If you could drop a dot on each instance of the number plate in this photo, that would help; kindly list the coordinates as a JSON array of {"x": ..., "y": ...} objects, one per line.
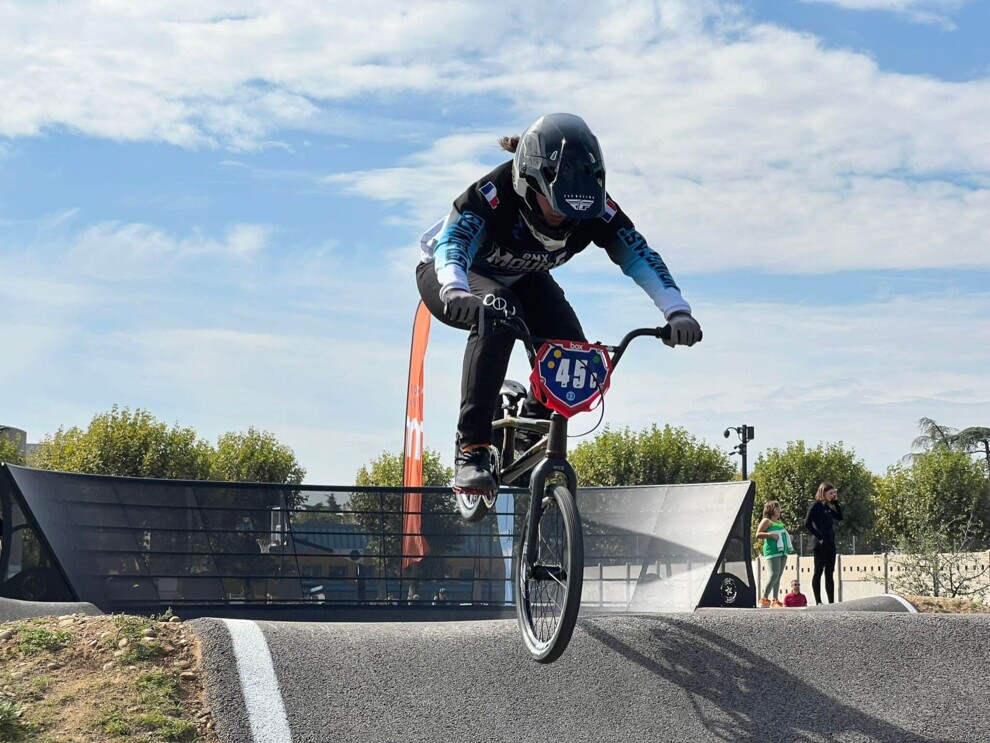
[{"x": 570, "y": 377}]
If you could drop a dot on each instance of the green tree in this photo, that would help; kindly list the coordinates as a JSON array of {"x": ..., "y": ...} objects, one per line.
[
  {"x": 940, "y": 492},
  {"x": 975, "y": 440},
  {"x": 653, "y": 456},
  {"x": 126, "y": 443},
  {"x": 889, "y": 515},
  {"x": 932, "y": 435},
  {"x": 792, "y": 475},
  {"x": 314, "y": 511},
  {"x": 10, "y": 452},
  {"x": 386, "y": 471},
  {"x": 972, "y": 440},
  {"x": 380, "y": 514},
  {"x": 255, "y": 456}
]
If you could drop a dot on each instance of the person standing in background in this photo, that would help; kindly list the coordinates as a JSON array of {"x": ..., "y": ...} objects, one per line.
[
  {"x": 819, "y": 523},
  {"x": 776, "y": 548},
  {"x": 794, "y": 598}
]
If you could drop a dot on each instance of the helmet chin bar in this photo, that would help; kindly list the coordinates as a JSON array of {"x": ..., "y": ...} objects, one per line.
[{"x": 551, "y": 243}]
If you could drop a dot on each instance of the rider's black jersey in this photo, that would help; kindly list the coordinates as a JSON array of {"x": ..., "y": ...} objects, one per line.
[{"x": 486, "y": 233}]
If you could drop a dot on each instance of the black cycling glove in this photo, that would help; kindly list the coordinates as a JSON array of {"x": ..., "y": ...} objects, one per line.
[{"x": 462, "y": 307}]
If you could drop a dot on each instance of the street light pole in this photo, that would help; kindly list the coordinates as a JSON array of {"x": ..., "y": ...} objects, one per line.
[{"x": 746, "y": 434}]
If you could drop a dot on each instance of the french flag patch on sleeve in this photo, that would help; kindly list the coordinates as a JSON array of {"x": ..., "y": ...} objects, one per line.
[
  {"x": 610, "y": 210},
  {"x": 490, "y": 193}
]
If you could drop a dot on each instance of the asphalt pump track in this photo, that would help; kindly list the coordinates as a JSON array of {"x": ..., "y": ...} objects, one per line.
[{"x": 717, "y": 675}]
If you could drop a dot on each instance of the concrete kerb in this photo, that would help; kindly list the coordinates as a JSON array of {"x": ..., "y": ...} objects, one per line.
[
  {"x": 14, "y": 609},
  {"x": 884, "y": 602},
  {"x": 888, "y": 602}
]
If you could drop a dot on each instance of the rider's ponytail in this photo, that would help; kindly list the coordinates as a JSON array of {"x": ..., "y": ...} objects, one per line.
[{"x": 509, "y": 144}]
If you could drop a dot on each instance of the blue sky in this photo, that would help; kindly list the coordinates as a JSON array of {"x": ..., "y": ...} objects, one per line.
[{"x": 212, "y": 210}]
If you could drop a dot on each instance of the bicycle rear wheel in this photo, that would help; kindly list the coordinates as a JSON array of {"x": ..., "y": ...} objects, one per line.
[{"x": 548, "y": 592}]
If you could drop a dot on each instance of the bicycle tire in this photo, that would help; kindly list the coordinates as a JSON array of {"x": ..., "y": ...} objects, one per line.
[
  {"x": 472, "y": 505},
  {"x": 548, "y": 595}
]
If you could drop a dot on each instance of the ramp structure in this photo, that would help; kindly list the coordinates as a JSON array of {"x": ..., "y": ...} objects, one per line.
[
  {"x": 315, "y": 552},
  {"x": 668, "y": 547}
]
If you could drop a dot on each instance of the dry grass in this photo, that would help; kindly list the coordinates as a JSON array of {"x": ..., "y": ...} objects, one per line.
[
  {"x": 930, "y": 605},
  {"x": 106, "y": 678}
]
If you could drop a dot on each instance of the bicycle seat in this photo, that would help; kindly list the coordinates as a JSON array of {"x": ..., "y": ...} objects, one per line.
[{"x": 513, "y": 391}]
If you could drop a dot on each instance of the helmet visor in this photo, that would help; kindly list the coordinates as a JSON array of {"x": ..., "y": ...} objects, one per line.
[{"x": 577, "y": 187}]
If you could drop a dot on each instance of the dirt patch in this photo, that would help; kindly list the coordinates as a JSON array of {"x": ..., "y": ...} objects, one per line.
[
  {"x": 81, "y": 678},
  {"x": 930, "y": 605}
]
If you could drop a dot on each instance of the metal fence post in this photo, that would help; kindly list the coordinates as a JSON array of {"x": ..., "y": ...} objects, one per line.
[
  {"x": 838, "y": 568},
  {"x": 628, "y": 579},
  {"x": 601, "y": 584}
]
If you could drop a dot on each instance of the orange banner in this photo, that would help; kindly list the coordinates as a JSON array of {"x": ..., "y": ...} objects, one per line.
[{"x": 414, "y": 546}]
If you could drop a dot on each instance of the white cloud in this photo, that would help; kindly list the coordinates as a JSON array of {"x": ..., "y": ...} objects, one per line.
[
  {"x": 115, "y": 251},
  {"x": 933, "y": 12},
  {"x": 811, "y": 159},
  {"x": 318, "y": 354},
  {"x": 190, "y": 75},
  {"x": 863, "y": 372},
  {"x": 428, "y": 181},
  {"x": 732, "y": 144},
  {"x": 75, "y": 269}
]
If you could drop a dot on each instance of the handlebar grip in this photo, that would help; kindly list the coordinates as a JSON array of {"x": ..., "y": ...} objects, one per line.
[{"x": 493, "y": 319}]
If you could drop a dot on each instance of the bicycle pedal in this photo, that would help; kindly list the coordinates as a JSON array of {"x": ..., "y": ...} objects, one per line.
[{"x": 474, "y": 491}]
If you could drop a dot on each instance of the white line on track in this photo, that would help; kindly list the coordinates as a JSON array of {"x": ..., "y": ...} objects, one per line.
[{"x": 262, "y": 697}]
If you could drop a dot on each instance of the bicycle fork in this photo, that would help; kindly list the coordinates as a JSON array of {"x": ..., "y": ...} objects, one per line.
[{"x": 554, "y": 466}]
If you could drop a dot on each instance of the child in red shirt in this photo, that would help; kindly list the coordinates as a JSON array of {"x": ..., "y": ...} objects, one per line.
[{"x": 794, "y": 597}]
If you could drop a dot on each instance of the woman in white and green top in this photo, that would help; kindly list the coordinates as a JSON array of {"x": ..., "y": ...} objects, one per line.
[{"x": 776, "y": 548}]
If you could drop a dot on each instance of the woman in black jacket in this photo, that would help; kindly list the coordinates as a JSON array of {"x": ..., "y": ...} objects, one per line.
[{"x": 823, "y": 511}]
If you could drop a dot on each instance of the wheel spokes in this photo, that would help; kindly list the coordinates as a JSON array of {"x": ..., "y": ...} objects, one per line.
[{"x": 546, "y": 581}]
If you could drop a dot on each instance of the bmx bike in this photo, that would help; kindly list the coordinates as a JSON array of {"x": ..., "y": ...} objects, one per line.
[{"x": 548, "y": 562}]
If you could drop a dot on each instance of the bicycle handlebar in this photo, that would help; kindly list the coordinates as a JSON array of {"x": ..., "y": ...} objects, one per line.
[{"x": 517, "y": 327}]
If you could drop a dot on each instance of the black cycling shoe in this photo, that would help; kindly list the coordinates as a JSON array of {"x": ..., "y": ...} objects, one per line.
[{"x": 473, "y": 470}]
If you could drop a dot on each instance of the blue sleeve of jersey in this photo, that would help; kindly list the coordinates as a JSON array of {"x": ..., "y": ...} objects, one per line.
[
  {"x": 644, "y": 265},
  {"x": 456, "y": 247},
  {"x": 631, "y": 253}
]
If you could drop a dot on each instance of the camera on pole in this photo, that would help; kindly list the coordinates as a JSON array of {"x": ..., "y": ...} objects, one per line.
[{"x": 746, "y": 434}]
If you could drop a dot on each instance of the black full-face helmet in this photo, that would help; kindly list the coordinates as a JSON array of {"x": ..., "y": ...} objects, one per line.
[{"x": 559, "y": 157}]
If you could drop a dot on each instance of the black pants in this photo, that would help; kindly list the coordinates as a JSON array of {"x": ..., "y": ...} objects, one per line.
[
  {"x": 824, "y": 562},
  {"x": 540, "y": 301}
]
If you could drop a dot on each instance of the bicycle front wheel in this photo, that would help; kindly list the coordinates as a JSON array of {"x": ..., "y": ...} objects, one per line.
[{"x": 548, "y": 592}]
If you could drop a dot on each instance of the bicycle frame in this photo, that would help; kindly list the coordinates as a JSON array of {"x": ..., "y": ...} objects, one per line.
[
  {"x": 568, "y": 377},
  {"x": 514, "y": 467},
  {"x": 547, "y": 459}
]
